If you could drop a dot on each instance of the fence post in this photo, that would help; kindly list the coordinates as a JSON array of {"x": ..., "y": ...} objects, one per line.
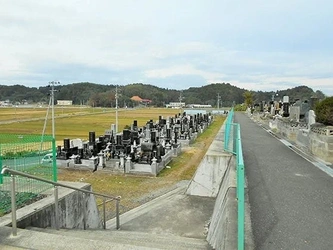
[
  {"x": 117, "y": 214},
  {"x": 104, "y": 217},
  {"x": 13, "y": 201}
]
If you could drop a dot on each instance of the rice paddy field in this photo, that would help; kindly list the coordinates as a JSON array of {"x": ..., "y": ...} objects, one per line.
[{"x": 76, "y": 122}]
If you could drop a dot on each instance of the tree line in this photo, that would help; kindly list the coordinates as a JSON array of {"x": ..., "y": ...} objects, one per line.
[{"x": 100, "y": 95}]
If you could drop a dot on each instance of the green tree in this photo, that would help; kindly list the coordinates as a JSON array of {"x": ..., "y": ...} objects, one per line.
[
  {"x": 103, "y": 95},
  {"x": 248, "y": 98},
  {"x": 324, "y": 111}
]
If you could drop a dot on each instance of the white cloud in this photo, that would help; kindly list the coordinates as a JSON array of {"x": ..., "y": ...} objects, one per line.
[
  {"x": 268, "y": 83},
  {"x": 257, "y": 44},
  {"x": 186, "y": 69}
]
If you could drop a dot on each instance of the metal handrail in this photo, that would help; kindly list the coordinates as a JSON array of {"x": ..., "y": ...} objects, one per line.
[
  {"x": 240, "y": 190},
  {"x": 56, "y": 185},
  {"x": 233, "y": 134}
]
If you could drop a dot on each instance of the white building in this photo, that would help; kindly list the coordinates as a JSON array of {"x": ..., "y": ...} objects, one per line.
[
  {"x": 175, "y": 105},
  {"x": 199, "y": 105},
  {"x": 64, "y": 102}
]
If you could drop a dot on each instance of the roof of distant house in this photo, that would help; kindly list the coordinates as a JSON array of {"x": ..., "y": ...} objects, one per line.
[
  {"x": 136, "y": 98},
  {"x": 146, "y": 100}
]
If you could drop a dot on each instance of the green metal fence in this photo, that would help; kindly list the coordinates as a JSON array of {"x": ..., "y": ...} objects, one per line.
[
  {"x": 233, "y": 144},
  {"x": 32, "y": 154},
  {"x": 228, "y": 132}
]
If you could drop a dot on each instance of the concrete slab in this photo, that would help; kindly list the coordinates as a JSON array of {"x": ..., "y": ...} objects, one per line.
[
  {"x": 173, "y": 213},
  {"x": 182, "y": 215}
]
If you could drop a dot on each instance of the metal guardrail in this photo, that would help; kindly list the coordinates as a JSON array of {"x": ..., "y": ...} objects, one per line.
[
  {"x": 232, "y": 136},
  {"x": 228, "y": 131},
  {"x": 56, "y": 185}
]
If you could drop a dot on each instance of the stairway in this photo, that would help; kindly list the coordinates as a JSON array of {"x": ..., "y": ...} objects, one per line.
[
  {"x": 45, "y": 239},
  {"x": 171, "y": 221}
]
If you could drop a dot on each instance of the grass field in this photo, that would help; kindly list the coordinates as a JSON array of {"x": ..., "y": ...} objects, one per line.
[
  {"x": 74, "y": 122},
  {"x": 134, "y": 190}
]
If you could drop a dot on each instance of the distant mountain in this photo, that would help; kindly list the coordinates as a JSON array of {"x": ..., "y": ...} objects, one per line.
[{"x": 104, "y": 95}]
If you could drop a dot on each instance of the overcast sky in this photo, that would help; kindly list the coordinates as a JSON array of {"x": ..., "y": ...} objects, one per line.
[{"x": 254, "y": 44}]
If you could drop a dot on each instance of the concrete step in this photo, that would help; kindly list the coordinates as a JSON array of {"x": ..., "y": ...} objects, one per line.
[
  {"x": 6, "y": 247},
  {"x": 130, "y": 238},
  {"x": 34, "y": 240}
]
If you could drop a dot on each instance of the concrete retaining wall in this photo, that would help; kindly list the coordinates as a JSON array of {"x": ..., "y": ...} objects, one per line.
[
  {"x": 321, "y": 146},
  {"x": 215, "y": 177},
  {"x": 289, "y": 131},
  {"x": 209, "y": 175},
  {"x": 222, "y": 233},
  {"x": 302, "y": 139},
  {"x": 316, "y": 140},
  {"x": 41, "y": 213}
]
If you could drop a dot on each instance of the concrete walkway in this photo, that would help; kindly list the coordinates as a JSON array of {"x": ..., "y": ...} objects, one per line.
[
  {"x": 291, "y": 199},
  {"x": 173, "y": 213}
]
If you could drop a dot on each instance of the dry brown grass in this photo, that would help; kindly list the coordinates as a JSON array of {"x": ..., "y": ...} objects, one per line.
[{"x": 76, "y": 123}]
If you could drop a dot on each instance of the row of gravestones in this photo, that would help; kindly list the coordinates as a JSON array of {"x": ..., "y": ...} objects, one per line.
[
  {"x": 298, "y": 111},
  {"x": 142, "y": 145}
]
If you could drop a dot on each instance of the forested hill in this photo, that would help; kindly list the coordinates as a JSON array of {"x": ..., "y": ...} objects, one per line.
[{"x": 104, "y": 95}]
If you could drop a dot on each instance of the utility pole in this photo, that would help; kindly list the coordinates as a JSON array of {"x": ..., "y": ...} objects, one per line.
[
  {"x": 218, "y": 100},
  {"x": 116, "y": 95},
  {"x": 52, "y": 84},
  {"x": 180, "y": 101}
]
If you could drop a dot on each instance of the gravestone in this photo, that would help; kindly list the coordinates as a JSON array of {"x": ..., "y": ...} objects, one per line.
[
  {"x": 312, "y": 118},
  {"x": 285, "y": 106},
  {"x": 295, "y": 113}
]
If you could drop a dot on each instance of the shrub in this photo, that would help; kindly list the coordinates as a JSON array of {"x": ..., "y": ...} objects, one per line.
[
  {"x": 240, "y": 107},
  {"x": 324, "y": 111},
  {"x": 127, "y": 127}
]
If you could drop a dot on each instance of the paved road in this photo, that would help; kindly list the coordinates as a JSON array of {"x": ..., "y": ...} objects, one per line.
[{"x": 291, "y": 200}]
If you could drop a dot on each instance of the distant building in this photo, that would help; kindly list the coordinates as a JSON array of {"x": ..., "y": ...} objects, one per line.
[
  {"x": 5, "y": 103},
  {"x": 175, "y": 105},
  {"x": 136, "y": 98},
  {"x": 194, "y": 111},
  {"x": 140, "y": 100},
  {"x": 199, "y": 106},
  {"x": 64, "y": 102},
  {"x": 146, "y": 101}
]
